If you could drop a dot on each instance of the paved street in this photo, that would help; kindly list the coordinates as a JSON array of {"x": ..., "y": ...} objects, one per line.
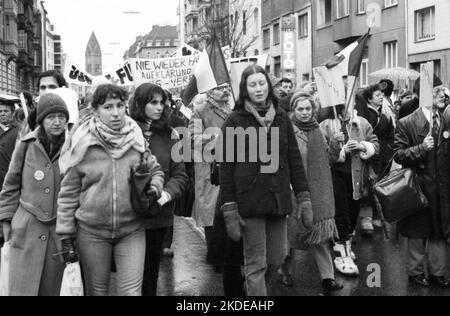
[{"x": 188, "y": 274}]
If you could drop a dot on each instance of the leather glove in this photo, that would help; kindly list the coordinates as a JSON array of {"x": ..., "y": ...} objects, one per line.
[
  {"x": 233, "y": 221},
  {"x": 68, "y": 251},
  {"x": 305, "y": 210}
]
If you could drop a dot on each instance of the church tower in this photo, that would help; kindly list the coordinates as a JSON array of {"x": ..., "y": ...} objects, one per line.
[{"x": 93, "y": 57}]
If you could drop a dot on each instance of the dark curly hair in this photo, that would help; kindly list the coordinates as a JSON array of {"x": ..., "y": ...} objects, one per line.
[
  {"x": 60, "y": 80},
  {"x": 108, "y": 91},
  {"x": 369, "y": 91}
]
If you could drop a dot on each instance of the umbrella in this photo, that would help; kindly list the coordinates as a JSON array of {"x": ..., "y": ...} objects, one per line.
[{"x": 396, "y": 74}]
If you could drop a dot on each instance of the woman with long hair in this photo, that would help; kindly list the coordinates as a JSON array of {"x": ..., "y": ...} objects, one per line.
[
  {"x": 256, "y": 193},
  {"x": 153, "y": 117}
]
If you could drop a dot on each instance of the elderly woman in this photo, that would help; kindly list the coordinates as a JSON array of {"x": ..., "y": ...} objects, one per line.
[
  {"x": 256, "y": 193},
  {"x": 29, "y": 204},
  {"x": 314, "y": 152},
  {"x": 94, "y": 206}
]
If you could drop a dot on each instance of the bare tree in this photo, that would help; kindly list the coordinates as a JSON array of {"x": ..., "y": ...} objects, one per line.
[{"x": 230, "y": 28}]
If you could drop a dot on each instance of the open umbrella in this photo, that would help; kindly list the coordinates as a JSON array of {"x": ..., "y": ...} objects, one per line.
[{"x": 396, "y": 74}]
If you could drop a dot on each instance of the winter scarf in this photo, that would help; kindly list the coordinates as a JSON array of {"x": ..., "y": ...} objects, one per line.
[
  {"x": 224, "y": 108},
  {"x": 265, "y": 121},
  {"x": 95, "y": 132},
  {"x": 51, "y": 147},
  {"x": 314, "y": 152}
]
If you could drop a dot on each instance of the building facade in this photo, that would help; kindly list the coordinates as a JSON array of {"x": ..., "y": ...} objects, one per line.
[
  {"x": 161, "y": 42},
  {"x": 273, "y": 13},
  {"x": 94, "y": 65},
  {"x": 338, "y": 23},
  {"x": 428, "y": 35},
  {"x": 20, "y": 45}
]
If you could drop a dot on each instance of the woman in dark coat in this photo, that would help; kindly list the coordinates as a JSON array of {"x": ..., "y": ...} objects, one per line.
[
  {"x": 29, "y": 204},
  {"x": 422, "y": 143},
  {"x": 256, "y": 193},
  {"x": 153, "y": 117}
]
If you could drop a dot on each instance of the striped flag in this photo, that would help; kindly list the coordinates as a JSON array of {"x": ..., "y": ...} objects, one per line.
[
  {"x": 348, "y": 62},
  {"x": 210, "y": 72}
]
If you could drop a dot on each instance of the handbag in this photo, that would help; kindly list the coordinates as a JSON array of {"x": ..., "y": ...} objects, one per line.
[
  {"x": 143, "y": 203},
  {"x": 72, "y": 282},
  {"x": 400, "y": 195},
  {"x": 4, "y": 269}
]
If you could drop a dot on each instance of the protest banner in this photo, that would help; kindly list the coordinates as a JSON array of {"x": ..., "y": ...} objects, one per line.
[
  {"x": 172, "y": 72},
  {"x": 330, "y": 86},
  {"x": 238, "y": 66},
  {"x": 77, "y": 75},
  {"x": 185, "y": 50},
  {"x": 426, "y": 83}
]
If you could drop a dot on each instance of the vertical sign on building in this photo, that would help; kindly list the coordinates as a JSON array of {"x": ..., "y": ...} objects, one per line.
[{"x": 288, "y": 47}]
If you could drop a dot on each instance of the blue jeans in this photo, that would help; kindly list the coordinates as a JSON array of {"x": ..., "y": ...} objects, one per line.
[{"x": 96, "y": 256}]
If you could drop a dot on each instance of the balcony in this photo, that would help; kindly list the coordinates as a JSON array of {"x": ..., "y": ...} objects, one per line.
[{"x": 348, "y": 29}]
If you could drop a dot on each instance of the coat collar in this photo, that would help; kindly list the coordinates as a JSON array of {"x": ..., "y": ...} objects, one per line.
[
  {"x": 423, "y": 126},
  {"x": 34, "y": 136}
]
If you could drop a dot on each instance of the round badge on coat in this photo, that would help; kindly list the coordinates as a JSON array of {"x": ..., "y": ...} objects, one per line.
[
  {"x": 39, "y": 175},
  {"x": 446, "y": 135}
]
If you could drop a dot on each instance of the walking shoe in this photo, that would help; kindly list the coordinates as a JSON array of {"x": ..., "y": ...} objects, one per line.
[
  {"x": 420, "y": 280},
  {"x": 168, "y": 253},
  {"x": 330, "y": 286},
  {"x": 344, "y": 263},
  {"x": 441, "y": 282},
  {"x": 367, "y": 229},
  {"x": 285, "y": 279}
]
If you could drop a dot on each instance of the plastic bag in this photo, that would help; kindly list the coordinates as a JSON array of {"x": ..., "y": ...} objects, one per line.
[
  {"x": 4, "y": 270},
  {"x": 72, "y": 283}
]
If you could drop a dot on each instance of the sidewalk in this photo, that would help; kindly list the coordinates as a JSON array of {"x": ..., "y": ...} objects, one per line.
[{"x": 188, "y": 274}]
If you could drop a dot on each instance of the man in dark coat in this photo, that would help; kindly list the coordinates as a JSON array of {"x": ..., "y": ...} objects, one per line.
[
  {"x": 422, "y": 143},
  {"x": 9, "y": 129},
  {"x": 411, "y": 106}
]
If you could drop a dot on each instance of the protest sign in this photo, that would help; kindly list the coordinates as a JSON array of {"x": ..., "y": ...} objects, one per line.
[
  {"x": 77, "y": 75},
  {"x": 426, "y": 83},
  {"x": 330, "y": 86},
  {"x": 170, "y": 72}
]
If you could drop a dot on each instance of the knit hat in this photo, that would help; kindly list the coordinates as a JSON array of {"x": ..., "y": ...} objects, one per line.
[
  {"x": 300, "y": 94},
  {"x": 51, "y": 103}
]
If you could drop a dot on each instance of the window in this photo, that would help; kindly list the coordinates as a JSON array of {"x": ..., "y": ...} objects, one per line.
[
  {"x": 324, "y": 12},
  {"x": 167, "y": 43},
  {"x": 364, "y": 77},
  {"x": 390, "y": 3},
  {"x": 361, "y": 9},
  {"x": 390, "y": 55},
  {"x": 158, "y": 43},
  {"x": 256, "y": 18},
  {"x": 303, "y": 25},
  {"x": 342, "y": 8},
  {"x": 244, "y": 22},
  {"x": 276, "y": 34},
  {"x": 266, "y": 39},
  {"x": 425, "y": 24},
  {"x": 277, "y": 66}
]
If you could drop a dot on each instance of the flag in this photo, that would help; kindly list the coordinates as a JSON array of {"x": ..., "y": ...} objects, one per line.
[
  {"x": 210, "y": 72},
  {"x": 348, "y": 64},
  {"x": 350, "y": 59}
]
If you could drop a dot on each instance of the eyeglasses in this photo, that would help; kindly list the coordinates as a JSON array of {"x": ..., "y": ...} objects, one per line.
[{"x": 222, "y": 88}]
